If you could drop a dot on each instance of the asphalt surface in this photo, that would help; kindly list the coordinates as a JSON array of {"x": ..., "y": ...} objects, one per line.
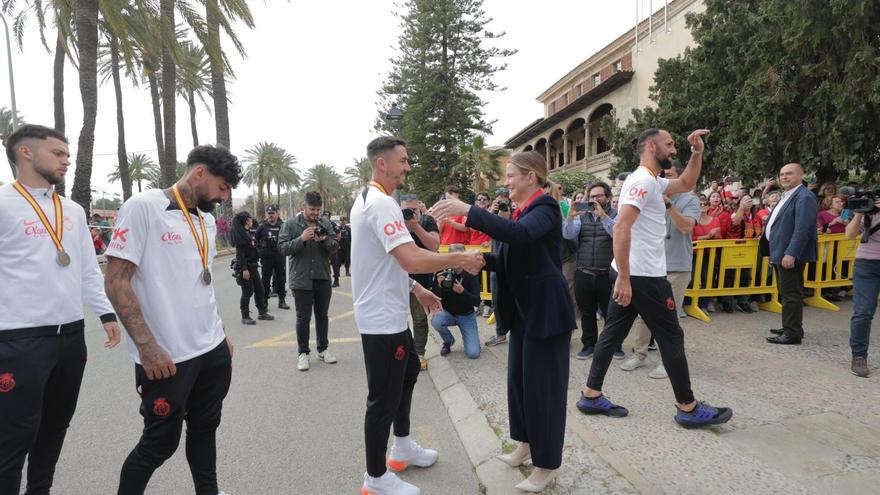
[{"x": 283, "y": 431}]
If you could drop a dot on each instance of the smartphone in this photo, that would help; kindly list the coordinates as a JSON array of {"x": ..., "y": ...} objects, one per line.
[{"x": 583, "y": 205}]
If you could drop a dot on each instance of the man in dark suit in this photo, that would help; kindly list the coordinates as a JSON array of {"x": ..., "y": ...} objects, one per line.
[{"x": 791, "y": 232}]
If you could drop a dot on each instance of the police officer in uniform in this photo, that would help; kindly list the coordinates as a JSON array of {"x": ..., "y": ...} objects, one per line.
[
  {"x": 48, "y": 268},
  {"x": 270, "y": 257}
]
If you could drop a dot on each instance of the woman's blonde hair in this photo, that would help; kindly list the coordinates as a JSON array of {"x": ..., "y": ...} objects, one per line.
[{"x": 531, "y": 161}]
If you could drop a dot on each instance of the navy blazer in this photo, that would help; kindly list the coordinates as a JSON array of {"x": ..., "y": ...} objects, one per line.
[
  {"x": 794, "y": 229},
  {"x": 531, "y": 287}
]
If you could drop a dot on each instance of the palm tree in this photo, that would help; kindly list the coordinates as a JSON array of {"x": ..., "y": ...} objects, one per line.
[
  {"x": 140, "y": 167},
  {"x": 476, "y": 161},
  {"x": 61, "y": 11},
  {"x": 269, "y": 162},
  {"x": 86, "y": 15},
  {"x": 193, "y": 79},
  {"x": 324, "y": 179},
  {"x": 169, "y": 90},
  {"x": 361, "y": 171},
  {"x": 156, "y": 177}
]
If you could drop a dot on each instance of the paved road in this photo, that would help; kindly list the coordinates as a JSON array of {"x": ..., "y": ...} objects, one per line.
[{"x": 283, "y": 431}]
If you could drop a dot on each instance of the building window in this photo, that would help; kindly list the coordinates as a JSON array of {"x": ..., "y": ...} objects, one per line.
[
  {"x": 579, "y": 90},
  {"x": 553, "y": 107},
  {"x": 564, "y": 99},
  {"x": 618, "y": 66},
  {"x": 597, "y": 79}
]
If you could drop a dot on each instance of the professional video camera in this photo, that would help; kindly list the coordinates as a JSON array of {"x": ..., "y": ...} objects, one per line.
[
  {"x": 861, "y": 199},
  {"x": 448, "y": 278}
]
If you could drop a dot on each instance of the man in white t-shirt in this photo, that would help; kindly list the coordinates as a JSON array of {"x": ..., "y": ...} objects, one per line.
[
  {"x": 48, "y": 269},
  {"x": 159, "y": 280},
  {"x": 641, "y": 288},
  {"x": 383, "y": 252}
]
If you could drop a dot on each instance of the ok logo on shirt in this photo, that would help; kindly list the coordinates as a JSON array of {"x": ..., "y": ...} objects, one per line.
[
  {"x": 637, "y": 193},
  {"x": 394, "y": 228}
]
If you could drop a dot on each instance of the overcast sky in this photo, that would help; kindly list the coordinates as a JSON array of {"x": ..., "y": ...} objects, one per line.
[{"x": 310, "y": 78}]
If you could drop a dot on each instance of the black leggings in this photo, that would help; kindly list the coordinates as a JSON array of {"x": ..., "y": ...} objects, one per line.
[
  {"x": 651, "y": 299},
  {"x": 253, "y": 287},
  {"x": 392, "y": 370}
]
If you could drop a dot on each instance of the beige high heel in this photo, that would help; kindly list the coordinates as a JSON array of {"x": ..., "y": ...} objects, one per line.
[
  {"x": 516, "y": 458},
  {"x": 528, "y": 486}
]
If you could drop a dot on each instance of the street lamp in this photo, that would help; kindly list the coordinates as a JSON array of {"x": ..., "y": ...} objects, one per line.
[{"x": 394, "y": 114}]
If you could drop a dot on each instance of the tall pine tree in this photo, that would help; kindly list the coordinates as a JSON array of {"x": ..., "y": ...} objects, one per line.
[{"x": 442, "y": 65}]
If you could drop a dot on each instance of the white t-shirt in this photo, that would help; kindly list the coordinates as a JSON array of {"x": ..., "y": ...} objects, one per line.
[
  {"x": 179, "y": 308},
  {"x": 36, "y": 291},
  {"x": 380, "y": 286},
  {"x": 647, "y": 251}
]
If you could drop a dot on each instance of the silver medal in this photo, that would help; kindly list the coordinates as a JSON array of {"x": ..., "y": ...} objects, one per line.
[
  {"x": 206, "y": 276},
  {"x": 63, "y": 258}
]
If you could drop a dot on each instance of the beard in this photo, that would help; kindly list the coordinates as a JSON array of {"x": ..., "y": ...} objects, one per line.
[
  {"x": 665, "y": 163},
  {"x": 53, "y": 178},
  {"x": 207, "y": 204}
]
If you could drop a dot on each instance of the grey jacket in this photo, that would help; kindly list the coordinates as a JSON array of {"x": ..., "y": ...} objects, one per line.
[{"x": 309, "y": 260}]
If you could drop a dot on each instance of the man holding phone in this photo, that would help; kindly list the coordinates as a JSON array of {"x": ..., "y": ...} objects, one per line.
[{"x": 591, "y": 225}]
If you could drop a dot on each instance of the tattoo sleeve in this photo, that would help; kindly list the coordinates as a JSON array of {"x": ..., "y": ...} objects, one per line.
[{"x": 117, "y": 284}]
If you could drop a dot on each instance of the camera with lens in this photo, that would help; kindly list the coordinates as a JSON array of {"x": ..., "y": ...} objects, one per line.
[
  {"x": 862, "y": 200},
  {"x": 448, "y": 278},
  {"x": 408, "y": 214},
  {"x": 503, "y": 206},
  {"x": 237, "y": 268},
  {"x": 320, "y": 231}
]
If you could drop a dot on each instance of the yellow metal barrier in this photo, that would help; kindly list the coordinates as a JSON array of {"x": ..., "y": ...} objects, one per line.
[
  {"x": 485, "y": 292},
  {"x": 833, "y": 268},
  {"x": 750, "y": 275}
]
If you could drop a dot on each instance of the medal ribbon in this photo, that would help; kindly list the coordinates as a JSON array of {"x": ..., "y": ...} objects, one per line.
[
  {"x": 58, "y": 232},
  {"x": 201, "y": 245},
  {"x": 649, "y": 171},
  {"x": 379, "y": 186}
]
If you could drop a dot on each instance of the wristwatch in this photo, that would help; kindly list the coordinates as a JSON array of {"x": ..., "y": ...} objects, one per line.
[
  {"x": 412, "y": 284},
  {"x": 695, "y": 152}
]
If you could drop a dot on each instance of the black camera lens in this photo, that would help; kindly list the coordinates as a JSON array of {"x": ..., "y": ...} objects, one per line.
[
  {"x": 320, "y": 231},
  {"x": 408, "y": 214},
  {"x": 503, "y": 206}
]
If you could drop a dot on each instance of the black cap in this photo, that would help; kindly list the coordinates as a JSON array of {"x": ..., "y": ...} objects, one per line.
[{"x": 272, "y": 209}]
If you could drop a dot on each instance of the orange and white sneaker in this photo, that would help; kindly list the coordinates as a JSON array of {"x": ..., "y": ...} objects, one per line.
[
  {"x": 387, "y": 484},
  {"x": 411, "y": 455}
]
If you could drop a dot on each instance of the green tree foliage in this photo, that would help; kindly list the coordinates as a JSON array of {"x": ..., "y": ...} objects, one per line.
[
  {"x": 442, "y": 65},
  {"x": 776, "y": 81},
  {"x": 324, "y": 179},
  {"x": 361, "y": 172},
  {"x": 476, "y": 163},
  {"x": 140, "y": 168},
  {"x": 572, "y": 181},
  {"x": 268, "y": 163}
]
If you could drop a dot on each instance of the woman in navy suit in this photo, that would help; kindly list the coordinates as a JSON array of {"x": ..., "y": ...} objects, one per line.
[{"x": 533, "y": 296}]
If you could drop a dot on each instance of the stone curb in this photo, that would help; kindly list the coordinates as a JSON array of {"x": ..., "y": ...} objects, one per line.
[{"x": 479, "y": 439}]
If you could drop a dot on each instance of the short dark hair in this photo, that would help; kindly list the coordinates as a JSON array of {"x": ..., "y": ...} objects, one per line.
[
  {"x": 381, "y": 145},
  {"x": 218, "y": 161},
  {"x": 678, "y": 166},
  {"x": 30, "y": 131},
  {"x": 644, "y": 137},
  {"x": 605, "y": 187},
  {"x": 313, "y": 198},
  {"x": 453, "y": 189},
  {"x": 483, "y": 195}
]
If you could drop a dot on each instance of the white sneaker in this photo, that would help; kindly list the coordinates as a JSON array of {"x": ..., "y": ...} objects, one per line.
[
  {"x": 633, "y": 362},
  {"x": 302, "y": 363},
  {"x": 415, "y": 455},
  {"x": 387, "y": 484},
  {"x": 327, "y": 357},
  {"x": 659, "y": 372}
]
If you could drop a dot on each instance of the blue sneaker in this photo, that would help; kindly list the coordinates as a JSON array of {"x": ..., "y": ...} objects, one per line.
[
  {"x": 600, "y": 405},
  {"x": 586, "y": 353},
  {"x": 619, "y": 354},
  {"x": 703, "y": 415}
]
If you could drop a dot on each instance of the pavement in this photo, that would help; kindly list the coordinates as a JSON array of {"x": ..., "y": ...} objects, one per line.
[
  {"x": 802, "y": 423},
  {"x": 283, "y": 431}
]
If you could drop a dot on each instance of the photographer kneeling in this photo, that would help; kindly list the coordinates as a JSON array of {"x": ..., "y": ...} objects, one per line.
[
  {"x": 866, "y": 280},
  {"x": 460, "y": 293}
]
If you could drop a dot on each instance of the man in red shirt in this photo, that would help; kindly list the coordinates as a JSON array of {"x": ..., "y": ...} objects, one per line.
[
  {"x": 475, "y": 237},
  {"x": 452, "y": 230}
]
